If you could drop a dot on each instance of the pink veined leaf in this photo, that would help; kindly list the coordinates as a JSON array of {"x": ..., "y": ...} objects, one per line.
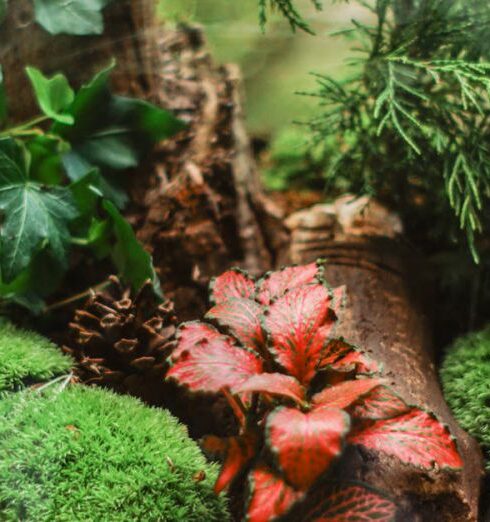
[
  {"x": 305, "y": 444},
  {"x": 333, "y": 351},
  {"x": 270, "y": 497},
  {"x": 352, "y": 503},
  {"x": 233, "y": 283},
  {"x": 276, "y": 284},
  {"x": 243, "y": 318},
  {"x": 299, "y": 324},
  {"x": 210, "y": 365},
  {"x": 344, "y": 394},
  {"x": 350, "y": 361},
  {"x": 380, "y": 403},
  {"x": 274, "y": 384},
  {"x": 190, "y": 334},
  {"x": 237, "y": 452},
  {"x": 415, "y": 437}
]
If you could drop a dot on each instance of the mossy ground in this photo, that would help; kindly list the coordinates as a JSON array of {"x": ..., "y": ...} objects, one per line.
[
  {"x": 27, "y": 358},
  {"x": 84, "y": 454},
  {"x": 465, "y": 376}
]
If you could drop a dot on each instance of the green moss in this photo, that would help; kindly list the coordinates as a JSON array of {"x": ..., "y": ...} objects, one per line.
[
  {"x": 27, "y": 357},
  {"x": 88, "y": 454},
  {"x": 465, "y": 377}
]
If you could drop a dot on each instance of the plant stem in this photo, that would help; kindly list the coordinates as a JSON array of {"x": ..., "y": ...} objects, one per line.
[
  {"x": 77, "y": 297},
  {"x": 25, "y": 128}
]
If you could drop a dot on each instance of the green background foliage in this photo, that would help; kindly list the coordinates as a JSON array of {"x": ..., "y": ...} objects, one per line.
[
  {"x": 87, "y": 454},
  {"x": 27, "y": 358},
  {"x": 465, "y": 375}
]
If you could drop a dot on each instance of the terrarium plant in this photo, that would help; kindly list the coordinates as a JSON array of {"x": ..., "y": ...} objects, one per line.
[{"x": 300, "y": 395}]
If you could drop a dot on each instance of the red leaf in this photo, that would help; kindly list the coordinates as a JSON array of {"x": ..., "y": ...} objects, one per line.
[
  {"x": 237, "y": 453},
  {"x": 233, "y": 283},
  {"x": 333, "y": 351},
  {"x": 210, "y": 365},
  {"x": 380, "y": 403},
  {"x": 415, "y": 437},
  {"x": 274, "y": 384},
  {"x": 243, "y": 318},
  {"x": 344, "y": 394},
  {"x": 299, "y": 324},
  {"x": 270, "y": 496},
  {"x": 353, "y": 503},
  {"x": 276, "y": 284},
  {"x": 190, "y": 334},
  {"x": 305, "y": 444}
]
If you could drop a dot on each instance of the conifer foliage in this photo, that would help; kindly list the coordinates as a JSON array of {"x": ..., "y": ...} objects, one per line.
[{"x": 300, "y": 395}]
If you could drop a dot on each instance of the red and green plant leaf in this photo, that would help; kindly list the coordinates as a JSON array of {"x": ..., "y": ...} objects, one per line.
[
  {"x": 243, "y": 319},
  {"x": 415, "y": 437},
  {"x": 344, "y": 394},
  {"x": 190, "y": 334},
  {"x": 353, "y": 503},
  {"x": 212, "y": 364},
  {"x": 299, "y": 324},
  {"x": 276, "y": 384},
  {"x": 276, "y": 284},
  {"x": 236, "y": 452},
  {"x": 353, "y": 361},
  {"x": 380, "y": 403},
  {"x": 305, "y": 444},
  {"x": 233, "y": 283},
  {"x": 270, "y": 497},
  {"x": 333, "y": 351}
]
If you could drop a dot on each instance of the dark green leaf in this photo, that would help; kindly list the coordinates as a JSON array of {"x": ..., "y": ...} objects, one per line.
[
  {"x": 35, "y": 217},
  {"x": 133, "y": 262},
  {"x": 79, "y": 17},
  {"x": 3, "y": 9},
  {"x": 45, "y": 165},
  {"x": 54, "y": 95}
]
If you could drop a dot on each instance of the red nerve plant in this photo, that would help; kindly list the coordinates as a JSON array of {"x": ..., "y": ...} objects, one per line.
[{"x": 300, "y": 396}]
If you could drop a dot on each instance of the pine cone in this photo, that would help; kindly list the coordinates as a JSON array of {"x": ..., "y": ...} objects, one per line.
[{"x": 121, "y": 341}]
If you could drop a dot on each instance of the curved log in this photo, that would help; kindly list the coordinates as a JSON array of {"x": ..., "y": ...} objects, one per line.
[{"x": 388, "y": 315}]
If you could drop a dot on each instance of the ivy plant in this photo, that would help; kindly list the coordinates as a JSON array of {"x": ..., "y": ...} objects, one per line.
[
  {"x": 60, "y": 183},
  {"x": 300, "y": 395}
]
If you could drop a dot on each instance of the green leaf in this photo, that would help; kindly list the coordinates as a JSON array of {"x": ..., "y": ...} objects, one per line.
[
  {"x": 54, "y": 95},
  {"x": 3, "y": 10},
  {"x": 113, "y": 132},
  {"x": 3, "y": 95},
  {"x": 78, "y": 17},
  {"x": 133, "y": 262},
  {"x": 35, "y": 216},
  {"x": 45, "y": 165}
]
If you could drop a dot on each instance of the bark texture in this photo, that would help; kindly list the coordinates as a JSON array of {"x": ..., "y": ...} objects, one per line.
[{"x": 388, "y": 315}]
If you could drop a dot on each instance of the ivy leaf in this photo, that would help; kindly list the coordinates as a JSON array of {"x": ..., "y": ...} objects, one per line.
[
  {"x": 270, "y": 497},
  {"x": 276, "y": 384},
  {"x": 54, "y": 95},
  {"x": 135, "y": 265},
  {"x": 237, "y": 452},
  {"x": 242, "y": 317},
  {"x": 276, "y": 284},
  {"x": 3, "y": 10},
  {"x": 112, "y": 132},
  {"x": 78, "y": 17},
  {"x": 415, "y": 437},
  {"x": 233, "y": 283},
  {"x": 305, "y": 444},
  {"x": 212, "y": 364},
  {"x": 3, "y": 96},
  {"x": 348, "y": 503},
  {"x": 299, "y": 324},
  {"x": 36, "y": 216}
]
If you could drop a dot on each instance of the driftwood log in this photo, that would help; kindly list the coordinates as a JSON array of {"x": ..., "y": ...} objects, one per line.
[
  {"x": 388, "y": 315},
  {"x": 198, "y": 207}
]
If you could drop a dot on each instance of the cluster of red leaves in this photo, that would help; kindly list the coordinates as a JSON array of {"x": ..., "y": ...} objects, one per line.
[{"x": 300, "y": 395}]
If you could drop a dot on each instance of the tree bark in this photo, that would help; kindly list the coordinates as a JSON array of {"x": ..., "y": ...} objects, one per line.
[{"x": 388, "y": 315}]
